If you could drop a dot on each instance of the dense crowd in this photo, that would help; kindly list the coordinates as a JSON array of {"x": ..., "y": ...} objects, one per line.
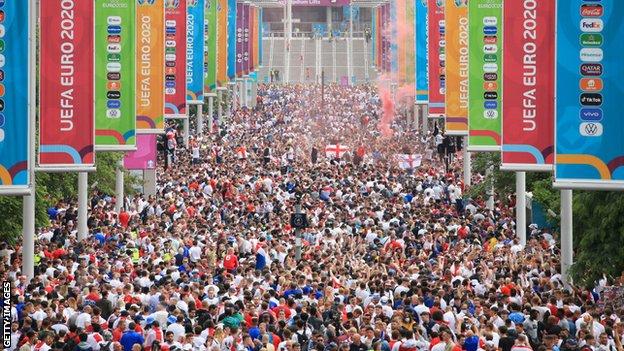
[{"x": 392, "y": 259}]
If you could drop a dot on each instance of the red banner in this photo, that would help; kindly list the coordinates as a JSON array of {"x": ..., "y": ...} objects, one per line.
[
  {"x": 437, "y": 44},
  {"x": 528, "y": 85},
  {"x": 66, "y": 84},
  {"x": 175, "y": 59}
]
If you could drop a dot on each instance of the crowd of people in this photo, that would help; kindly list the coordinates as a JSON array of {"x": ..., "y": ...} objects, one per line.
[{"x": 391, "y": 259}]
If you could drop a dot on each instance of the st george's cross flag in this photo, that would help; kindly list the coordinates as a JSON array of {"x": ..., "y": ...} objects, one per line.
[
  {"x": 409, "y": 161},
  {"x": 335, "y": 151}
]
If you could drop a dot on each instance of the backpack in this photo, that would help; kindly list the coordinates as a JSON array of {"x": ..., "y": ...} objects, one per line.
[{"x": 303, "y": 340}]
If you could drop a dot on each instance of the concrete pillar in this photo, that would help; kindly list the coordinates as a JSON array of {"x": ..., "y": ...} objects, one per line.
[
  {"x": 149, "y": 182},
  {"x": 467, "y": 164},
  {"x": 119, "y": 186},
  {"x": 83, "y": 211},
  {"x": 210, "y": 113},
  {"x": 200, "y": 120},
  {"x": 521, "y": 207},
  {"x": 567, "y": 255}
]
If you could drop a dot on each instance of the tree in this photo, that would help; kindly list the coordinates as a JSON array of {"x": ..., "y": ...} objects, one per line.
[
  {"x": 599, "y": 235},
  {"x": 54, "y": 187}
]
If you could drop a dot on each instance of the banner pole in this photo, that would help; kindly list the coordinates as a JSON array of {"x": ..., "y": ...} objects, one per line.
[
  {"x": 200, "y": 119},
  {"x": 186, "y": 125},
  {"x": 219, "y": 107},
  {"x": 467, "y": 164},
  {"x": 149, "y": 182},
  {"x": 28, "y": 212},
  {"x": 119, "y": 187},
  {"x": 521, "y": 207},
  {"x": 424, "y": 109},
  {"x": 211, "y": 112},
  {"x": 566, "y": 234},
  {"x": 83, "y": 213}
]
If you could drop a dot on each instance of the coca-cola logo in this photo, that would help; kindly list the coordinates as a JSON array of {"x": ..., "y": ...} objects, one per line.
[{"x": 592, "y": 10}]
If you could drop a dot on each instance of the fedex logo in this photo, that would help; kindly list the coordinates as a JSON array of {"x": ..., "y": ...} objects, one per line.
[{"x": 592, "y": 25}]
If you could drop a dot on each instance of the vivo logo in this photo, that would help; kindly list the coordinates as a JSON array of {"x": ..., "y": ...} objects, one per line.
[
  {"x": 591, "y": 114},
  {"x": 490, "y": 21}
]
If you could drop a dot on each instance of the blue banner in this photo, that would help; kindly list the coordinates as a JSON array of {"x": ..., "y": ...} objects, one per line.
[
  {"x": 14, "y": 120},
  {"x": 195, "y": 51},
  {"x": 231, "y": 38},
  {"x": 374, "y": 34},
  {"x": 589, "y": 134},
  {"x": 422, "y": 52},
  {"x": 394, "y": 48}
]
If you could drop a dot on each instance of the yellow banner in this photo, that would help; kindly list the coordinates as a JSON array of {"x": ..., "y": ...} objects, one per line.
[
  {"x": 456, "y": 19},
  {"x": 222, "y": 9},
  {"x": 150, "y": 66}
]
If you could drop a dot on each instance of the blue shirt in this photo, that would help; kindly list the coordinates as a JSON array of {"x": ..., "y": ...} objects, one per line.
[{"x": 130, "y": 338}]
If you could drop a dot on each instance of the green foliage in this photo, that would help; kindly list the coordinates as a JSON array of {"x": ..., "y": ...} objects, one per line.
[
  {"x": 599, "y": 236},
  {"x": 55, "y": 187}
]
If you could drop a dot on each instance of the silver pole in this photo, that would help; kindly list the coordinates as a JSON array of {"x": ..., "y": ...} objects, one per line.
[
  {"x": 490, "y": 191},
  {"x": 467, "y": 164},
  {"x": 119, "y": 187},
  {"x": 219, "y": 106},
  {"x": 288, "y": 42},
  {"x": 83, "y": 211},
  {"x": 28, "y": 211},
  {"x": 186, "y": 130},
  {"x": 200, "y": 119},
  {"x": 211, "y": 112},
  {"x": 425, "y": 118},
  {"x": 566, "y": 234},
  {"x": 521, "y": 207}
]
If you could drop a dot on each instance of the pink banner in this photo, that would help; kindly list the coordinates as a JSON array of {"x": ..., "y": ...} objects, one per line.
[
  {"x": 175, "y": 59},
  {"x": 145, "y": 156}
]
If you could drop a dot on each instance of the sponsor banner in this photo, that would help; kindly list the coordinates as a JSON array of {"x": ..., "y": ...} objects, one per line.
[
  {"x": 115, "y": 75},
  {"x": 150, "y": 75},
  {"x": 528, "y": 85},
  {"x": 240, "y": 39},
  {"x": 66, "y": 133},
  {"x": 589, "y": 130},
  {"x": 254, "y": 38},
  {"x": 222, "y": 52},
  {"x": 485, "y": 61},
  {"x": 175, "y": 58},
  {"x": 210, "y": 42},
  {"x": 437, "y": 58},
  {"x": 456, "y": 19},
  {"x": 246, "y": 39},
  {"x": 393, "y": 47},
  {"x": 232, "y": 39},
  {"x": 195, "y": 51},
  {"x": 14, "y": 88},
  {"x": 374, "y": 31},
  {"x": 144, "y": 158},
  {"x": 260, "y": 36},
  {"x": 422, "y": 52},
  {"x": 323, "y": 3}
]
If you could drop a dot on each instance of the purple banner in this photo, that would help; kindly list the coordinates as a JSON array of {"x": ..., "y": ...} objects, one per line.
[
  {"x": 239, "y": 39},
  {"x": 246, "y": 39},
  {"x": 318, "y": 2},
  {"x": 145, "y": 155}
]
